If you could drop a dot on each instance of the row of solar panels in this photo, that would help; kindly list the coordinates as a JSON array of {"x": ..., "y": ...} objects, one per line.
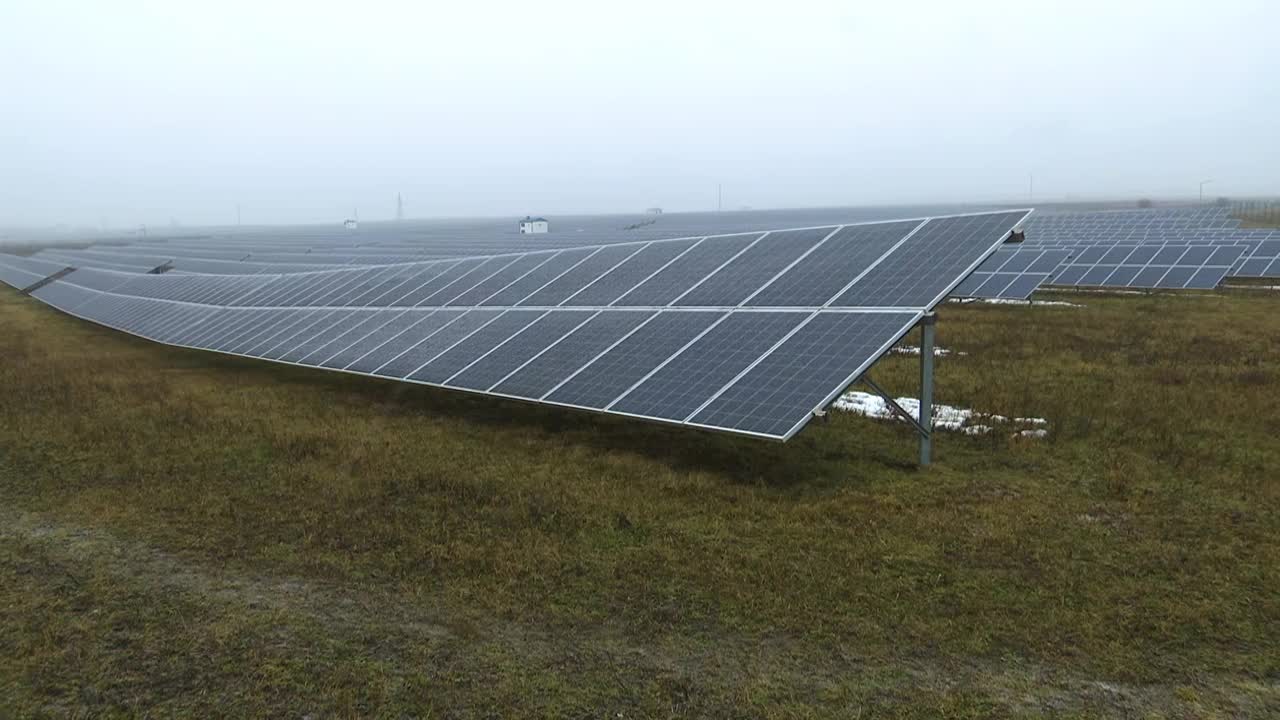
[
  {"x": 797, "y": 268},
  {"x": 761, "y": 370},
  {"x": 1261, "y": 256},
  {"x": 748, "y": 371},
  {"x": 1015, "y": 273},
  {"x": 1190, "y": 216}
]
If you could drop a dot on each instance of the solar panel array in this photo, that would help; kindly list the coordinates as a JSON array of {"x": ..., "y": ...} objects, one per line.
[
  {"x": 1173, "y": 248},
  {"x": 747, "y": 333},
  {"x": 1174, "y": 267},
  {"x": 1012, "y": 274},
  {"x": 241, "y": 251}
]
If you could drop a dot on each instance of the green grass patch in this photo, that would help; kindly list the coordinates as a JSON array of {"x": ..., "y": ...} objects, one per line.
[{"x": 191, "y": 534}]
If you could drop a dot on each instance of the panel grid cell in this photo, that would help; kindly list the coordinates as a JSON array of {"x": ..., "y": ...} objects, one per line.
[
  {"x": 698, "y": 372},
  {"x": 586, "y": 321},
  {"x": 677, "y": 278},
  {"x": 601, "y": 382},
  {"x": 629, "y": 274},
  {"x": 924, "y": 267},
  {"x": 753, "y": 269},
  {"x": 804, "y": 372},
  {"x": 519, "y": 349},
  {"x": 544, "y": 372},
  {"x": 825, "y": 271},
  {"x": 422, "y": 352},
  {"x": 582, "y": 275},
  {"x": 474, "y": 346}
]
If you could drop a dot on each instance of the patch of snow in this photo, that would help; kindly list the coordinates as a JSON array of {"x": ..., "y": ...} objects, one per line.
[
  {"x": 1037, "y": 303},
  {"x": 1110, "y": 291},
  {"x": 913, "y": 350},
  {"x": 1009, "y": 301},
  {"x": 945, "y": 417}
]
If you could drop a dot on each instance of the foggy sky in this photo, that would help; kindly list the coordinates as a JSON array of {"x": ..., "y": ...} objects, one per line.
[{"x": 129, "y": 112}]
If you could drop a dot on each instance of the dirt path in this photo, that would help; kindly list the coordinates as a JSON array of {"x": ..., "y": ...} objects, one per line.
[{"x": 718, "y": 665}]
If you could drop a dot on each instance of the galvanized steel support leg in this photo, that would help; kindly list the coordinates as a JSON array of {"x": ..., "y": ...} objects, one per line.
[{"x": 927, "y": 324}]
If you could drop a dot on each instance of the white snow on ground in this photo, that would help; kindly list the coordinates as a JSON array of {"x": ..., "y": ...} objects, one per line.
[
  {"x": 945, "y": 417},
  {"x": 913, "y": 350},
  {"x": 1007, "y": 301}
]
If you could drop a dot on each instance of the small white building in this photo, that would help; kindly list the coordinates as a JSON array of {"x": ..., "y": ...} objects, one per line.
[
  {"x": 530, "y": 225},
  {"x": 350, "y": 224}
]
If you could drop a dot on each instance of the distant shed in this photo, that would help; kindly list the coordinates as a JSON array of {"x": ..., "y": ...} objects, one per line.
[{"x": 530, "y": 225}]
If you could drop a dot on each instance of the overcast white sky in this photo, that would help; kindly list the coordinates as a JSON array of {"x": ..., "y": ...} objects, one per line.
[{"x": 137, "y": 112}]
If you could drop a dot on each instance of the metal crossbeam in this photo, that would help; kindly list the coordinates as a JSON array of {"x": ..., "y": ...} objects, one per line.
[
  {"x": 41, "y": 283},
  {"x": 923, "y": 424}
]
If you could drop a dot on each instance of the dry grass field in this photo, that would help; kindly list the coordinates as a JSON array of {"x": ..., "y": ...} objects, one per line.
[{"x": 186, "y": 534}]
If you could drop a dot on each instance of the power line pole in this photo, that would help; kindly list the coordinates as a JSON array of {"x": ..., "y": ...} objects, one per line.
[
  {"x": 399, "y": 208},
  {"x": 719, "y": 198},
  {"x": 1202, "y": 184},
  {"x": 237, "y": 214}
]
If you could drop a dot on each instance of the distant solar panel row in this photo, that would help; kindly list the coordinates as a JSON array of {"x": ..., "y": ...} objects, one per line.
[
  {"x": 1012, "y": 274},
  {"x": 796, "y": 268},
  {"x": 1150, "y": 266},
  {"x": 742, "y": 333},
  {"x": 1086, "y": 233}
]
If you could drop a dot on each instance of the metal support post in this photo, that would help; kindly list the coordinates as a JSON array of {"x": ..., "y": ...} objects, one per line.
[{"x": 927, "y": 324}]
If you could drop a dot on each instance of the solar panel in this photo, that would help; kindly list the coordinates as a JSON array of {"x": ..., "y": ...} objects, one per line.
[
  {"x": 18, "y": 278},
  {"x": 697, "y": 263},
  {"x": 1084, "y": 231},
  {"x": 818, "y": 276},
  {"x": 648, "y": 261},
  {"x": 385, "y": 326},
  {"x": 679, "y": 386},
  {"x": 459, "y": 356},
  {"x": 1263, "y": 260},
  {"x": 1150, "y": 266},
  {"x": 515, "y": 351},
  {"x": 604, "y": 379},
  {"x": 560, "y": 359},
  {"x": 748, "y": 333},
  {"x": 929, "y": 262},
  {"x": 457, "y": 326},
  {"x": 1012, "y": 274},
  {"x": 806, "y": 370},
  {"x": 558, "y": 264},
  {"x": 753, "y": 268}
]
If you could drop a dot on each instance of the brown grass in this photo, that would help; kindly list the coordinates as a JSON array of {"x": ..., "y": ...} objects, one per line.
[{"x": 189, "y": 534}]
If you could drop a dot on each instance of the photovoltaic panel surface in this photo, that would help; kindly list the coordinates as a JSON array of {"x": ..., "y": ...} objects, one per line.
[
  {"x": 805, "y": 371},
  {"x": 1012, "y": 274},
  {"x": 748, "y": 333},
  {"x": 1150, "y": 266},
  {"x": 681, "y": 385}
]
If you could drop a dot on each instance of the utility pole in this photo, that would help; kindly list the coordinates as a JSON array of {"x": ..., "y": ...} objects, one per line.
[
  {"x": 237, "y": 214},
  {"x": 1031, "y": 188},
  {"x": 399, "y": 208},
  {"x": 719, "y": 197},
  {"x": 1202, "y": 184}
]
